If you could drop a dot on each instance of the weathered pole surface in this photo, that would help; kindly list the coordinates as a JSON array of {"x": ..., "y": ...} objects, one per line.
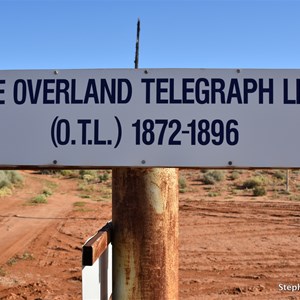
[
  {"x": 145, "y": 230},
  {"x": 145, "y": 233}
]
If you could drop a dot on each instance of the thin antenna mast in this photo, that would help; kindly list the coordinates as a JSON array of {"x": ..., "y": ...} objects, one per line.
[{"x": 137, "y": 45}]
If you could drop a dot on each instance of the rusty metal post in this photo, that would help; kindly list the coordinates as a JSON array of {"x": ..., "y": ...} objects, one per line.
[
  {"x": 145, "y": 233},
  {"x": 145, "y": 230}
]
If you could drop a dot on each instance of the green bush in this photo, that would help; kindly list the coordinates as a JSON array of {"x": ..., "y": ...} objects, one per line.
[
  {"x": 279, "y": 174},
  {"x": 104, "y": 177},
  {"x": 253, "y": 182},
  {"x": 68, "y": 173},
  {"x": 4, "y": 181},
  {"x": 89, "y": 176},
  {"x": 83, "y": 173},
  {"x": 79, "y": 204},
  {"x": 213, "y": 194},
  {"x": 259, "y": 191},
  {"x": 182, "y": 184},
  {"x": 47, "y": 192},
  {"x": 211, "y": 177},
  {"x": 234, "y": 175},
  {"x": 42, "y": 198},
  {"x": 48, "y": 172},
  {"x": 256, "y": 184},
  {"x": 25, "y": 256},
  {"x": 5, "y": 191},
  {"x": 14, "y": 177},
  {"x": 9, "y": 178}
]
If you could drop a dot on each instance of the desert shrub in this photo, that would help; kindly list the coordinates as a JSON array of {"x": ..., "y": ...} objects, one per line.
[
  {"x": 213, "y": 194},
  {"x": 82, "y": 173},
  {"x": 9, "y": 178},
  {"x": 182, "y": 184},
  {"x": 25, "y": 256},
  {"x": 294, "y": 197},
  {"x": 279, "y": 174},
  {"x": 211, "y": 177},
  {"x": 84, "y": 196},
  {"x": 2, "y": 272},
  {"x": 234, "y": 175},
  {"x": 88, "y": 175},
  {"x": 104, "y": 177},
  {"x": 68, "y": 173},
  {"x": 79, "y": 204},
  {"x": 48, "y": 172},
  {"x": 256, "y": 184},
  {"x": 88, "y": 178},
  {"x": 14, "y": 177},
  {"x": 4, "y": 181},
  {"x": 259, "y": 191},
  {"x": 42, "y": 198},
  {"x": 5, "y": 191},
  {"x": 47, "y": 192},
  {"x": 94, "y": 176},
  {"x": 253, "y": 182}
]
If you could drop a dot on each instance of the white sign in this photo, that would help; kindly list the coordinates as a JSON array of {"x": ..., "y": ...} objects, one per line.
[{"x": 154, "y": 117}]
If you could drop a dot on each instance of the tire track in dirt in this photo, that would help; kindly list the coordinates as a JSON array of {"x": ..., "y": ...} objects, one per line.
[
  {"x": 234, "y": 249},
  {"x": 21, "y": 223}
]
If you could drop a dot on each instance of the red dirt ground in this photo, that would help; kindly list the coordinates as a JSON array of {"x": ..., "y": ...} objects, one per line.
[{"x": 232, "y": 245}]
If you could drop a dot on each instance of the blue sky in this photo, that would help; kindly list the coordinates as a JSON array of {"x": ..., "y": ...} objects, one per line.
[{"x": 174, "y": 34}]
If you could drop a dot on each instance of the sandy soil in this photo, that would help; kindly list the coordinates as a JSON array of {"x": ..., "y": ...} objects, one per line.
[{"x": 232, "y": 245}]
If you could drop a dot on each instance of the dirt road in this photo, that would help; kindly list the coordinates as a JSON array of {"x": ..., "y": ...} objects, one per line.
[{"x": 21, "y": 222}]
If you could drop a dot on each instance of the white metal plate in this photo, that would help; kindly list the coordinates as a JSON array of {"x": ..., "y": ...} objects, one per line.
[{"x": 154, "y": 117}]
